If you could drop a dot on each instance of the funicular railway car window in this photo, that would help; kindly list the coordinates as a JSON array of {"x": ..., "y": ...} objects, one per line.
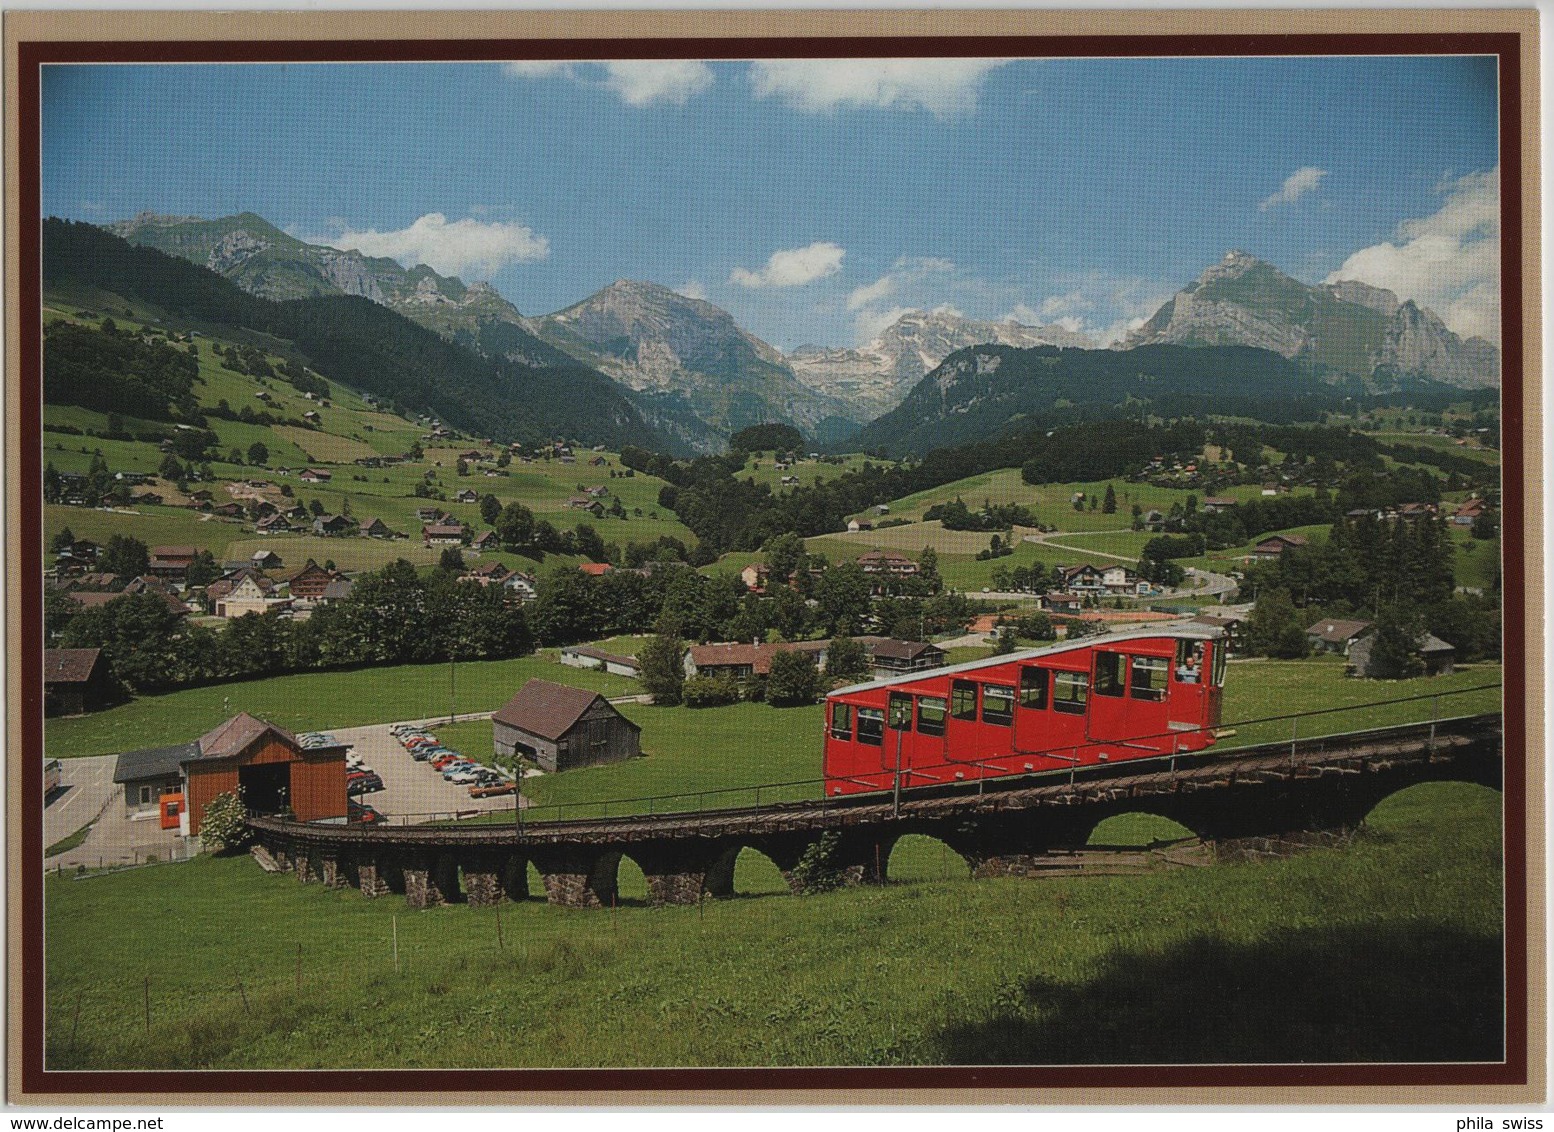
[
  {"x": 871, "y": 726},
  {"x": 1149, "y": 678},
  {"x": 1070, "y": 690},
  {"x": 1189, "y": 662},
  {"x": 1033, "y": 687},
  {"x": 998, "y": 704},
  {"x": 963, "y": 700},
  {"x": 1108, "y": 673},
  {"x": 930, "y": 715},
  {"x": 841, "y": 721},
  {"x": 900, "y": 711},
  {"x": 1219, "y": 664}
]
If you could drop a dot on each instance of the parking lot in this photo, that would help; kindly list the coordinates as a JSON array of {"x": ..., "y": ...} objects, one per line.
[{"x": 412, "y": 792}]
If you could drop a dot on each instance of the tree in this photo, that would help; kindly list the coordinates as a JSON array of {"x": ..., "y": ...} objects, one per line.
[
  {"x": 1274, "y": 628},
  {"x": 1486, "y": 524},
  {"x": 794, "y": 679},
  {"x": 258, "y": 454},
  {"x": 843, "y": 598},
  {"x": 63, "y": 541},
  {"x": 1005, "y": 642},
  {"x": 515, "y": 526},
  {"x": 490, "y": 508},
  {"x": 709, "y": 691},
  {"x": 1109, "y": 507},
  {"x": 928, "y": 570},
  {"x": 846, "y": 657},
  {"x": 451, "y": 560},
  {"x": 225, "y": 824},
  {"x": 662, "y": 668},
  {"x": 124, "y": 555},
  {"x": 1394, "y": 654}
]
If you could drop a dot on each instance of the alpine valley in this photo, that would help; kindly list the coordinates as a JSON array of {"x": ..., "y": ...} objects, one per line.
[{"x": 1243, "y": 332}]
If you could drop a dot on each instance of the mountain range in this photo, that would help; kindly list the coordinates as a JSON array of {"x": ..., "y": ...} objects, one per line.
[{"x": 693, "y": 374}]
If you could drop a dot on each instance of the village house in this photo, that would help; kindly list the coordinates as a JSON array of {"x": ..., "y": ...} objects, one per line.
[
  {"x": 309, "y": 582},
  {"x": 172, "y": 562},
  {"x": 856, "y": 525},
  {"x": 1120, "y": 580},
  {"x": 1275, "y": 545},
  {"x": 1062, "y": 603},
  {"x": 265, "y": 560},
  {"x": 743, "y": 661},
  {"x": 561, "y": 728},
  {"x": 1467, "y": 512},
  {"x": 1216, "y": 503},
  {"x": 375, "y": 528},
  {"x": 890, "y": 657},
  {"x": 887, "y": 562},
  {"x": 1439, "y": 657},
  {"x": 596, "y": 569},
  {"x": 1083, "y": 579},
  {"x": 276, "y": 524},
  {"x": 316, "y": 475},
  {"x": 1413, "y": 512},
  {"x": 1233, "y": 624},
  {"x": 431, "y": 515},
  {"x": 755, "y": 576},
  {"x": 583, "y": 503},
  {"x": 246, "y": 591},
  {"x": 468, "y": 495},
  {"x": 587, "y": 656},
  {"x": 443, "y": 534},
  {"x": 75, "y": 681},
  {"x": 335, "y": 526},
  {"x": 486, "y": 540},
  {"x": 1336, "y": 636}
]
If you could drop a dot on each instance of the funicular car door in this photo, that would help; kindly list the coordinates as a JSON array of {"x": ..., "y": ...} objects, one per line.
[
  {"x": 915, "y": 736},
  {"x": 1191, "y": 685},
  {"x": 1108, "y": 715}
]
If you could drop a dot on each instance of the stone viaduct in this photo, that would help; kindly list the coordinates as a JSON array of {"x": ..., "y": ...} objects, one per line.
[{"x": 1274, "y": 798}]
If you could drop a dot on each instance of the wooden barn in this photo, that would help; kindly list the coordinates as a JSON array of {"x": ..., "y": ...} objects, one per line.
[
  {"x": 76, "y": 680},
  {"x": 271, "y": 766},
  {"x": 562, "y": 728}
]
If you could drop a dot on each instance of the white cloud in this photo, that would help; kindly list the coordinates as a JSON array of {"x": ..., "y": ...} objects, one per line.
[
  {"x": 692, "y": 289},
  {"x": 459, "y": 247},
  {"x": 1295, "y": 186},
  {"x": 794, "y": 267},
  {"x": 537, "y": 70},
  {"x": 1448, "y": 261},
  {"x": 869, "y": 292},
  {"x": 869, "y": 324},
  {"x": 638, "y": 82},
  {"x": 943, "y": 87},
  {"x": 645, "y": 82}
]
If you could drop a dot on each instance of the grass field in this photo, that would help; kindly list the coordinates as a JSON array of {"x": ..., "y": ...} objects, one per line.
[
  {"x": 313, "y": 701},
  {"x": 762, "y": 467},
  {"x": 1333, "y": 956},
  {"x": 1441, "y": 443}
]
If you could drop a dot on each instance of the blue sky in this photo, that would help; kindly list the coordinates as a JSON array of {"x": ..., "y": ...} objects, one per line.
[{"x": 816, "y": 199}]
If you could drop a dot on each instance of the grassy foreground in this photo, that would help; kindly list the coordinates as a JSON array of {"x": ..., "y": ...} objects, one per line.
[{"x": 1337, "y": 955}]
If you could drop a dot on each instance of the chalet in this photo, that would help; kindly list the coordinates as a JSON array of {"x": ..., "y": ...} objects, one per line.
[
  {"x": 1233, "y": 625},
  {"x": 431, "y": 515},
  {"x": 583, "y": 503},
  {"x": 75, "y": 681},
  {"x": 744, "y": 661},
  {"x": 856, "y": 525},
  {"x": 334, "y": 526},
  {"x": 486, "y": 540},
  {"x": 338, "y": 589},
  {"x": 1270, "y": 489},
  {"x": 1274, "y": 545},
  {"x": 146, "y": 498},
  {"x": 471, "y": 455},
  {"x": 309, "y": 582},
  {"x": 598, "y": 491},
  {"x": 1413, "y": 512},
  {"x": 1336, "y": 636},
  {"x": 1154, "y": 520},
  {"x": 468, "y": 495},
  {"x": 889, "y": 657},
  {"x": 1083, "y": 579},
  {"x": 561, "y": 727},
  {"x": 276, "y": 524},
  {"x": 586, "y": 656},
  {"x": 315, "y": 475},
  {"x": 1439, "y": 657},
  {"x": 247, "y": 591},
  {"x": 443, "y": 534},
  {"x": 887, "y": 562},
  {"x": 266, "y": 560},
  {"x": 1467, "y": 512},
  {"x": 172, "y": 562},
  {"x": 96, "y": 580},
  {"x": 486, "y": 574},
  {"x": 1217, "y": 503},
  {"x": 1062, "y": 603},
  {"x": 1121, "y": 580},
  {"x": 598, "y": 462},
  {"x": 568, "y": 459},
  {"x": 755, "y": 577},
  {"x": 375, "y": 528},
  {"x": 790, "y": 481},
  {"x": 520, "y": 587},
  {"x": 228, "y": 510},
  {"x": 596, "y": 569}
]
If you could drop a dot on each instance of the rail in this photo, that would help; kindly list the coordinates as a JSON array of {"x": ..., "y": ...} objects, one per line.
[{"x": 811, "y": 790}]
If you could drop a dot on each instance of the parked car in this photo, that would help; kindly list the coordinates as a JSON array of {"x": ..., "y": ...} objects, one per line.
[
  {"x": 493, "y": 790},
  {"x": 363, "y": 813}
]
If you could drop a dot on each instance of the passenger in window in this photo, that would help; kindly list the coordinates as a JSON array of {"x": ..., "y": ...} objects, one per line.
[{"x": 1189, "y": 668}]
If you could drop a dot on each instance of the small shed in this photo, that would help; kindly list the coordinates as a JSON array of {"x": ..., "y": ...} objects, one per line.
[
  {"x": 148, "y": 774},
  {"x": 273, "y": 769},
  {"x": 1439, "y": 657},
  {"x": 562, "y": 728}
]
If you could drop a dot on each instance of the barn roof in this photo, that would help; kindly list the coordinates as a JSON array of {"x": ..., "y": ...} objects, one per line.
[
  {"x": 237, "y": 734},
  {"x": 153, "y": 762},
  {"x": 1336, "y": 632},
  {"x": 69, "y": 666},
  {"x": 547, "y": 710},
  {"x": 892, "y": 649}
]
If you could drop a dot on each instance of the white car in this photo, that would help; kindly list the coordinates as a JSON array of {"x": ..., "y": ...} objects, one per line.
[{"x": 463, "y": 777}]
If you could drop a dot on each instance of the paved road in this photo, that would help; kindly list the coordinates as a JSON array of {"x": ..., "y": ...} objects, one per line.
[{"x": 87, "y": 785}]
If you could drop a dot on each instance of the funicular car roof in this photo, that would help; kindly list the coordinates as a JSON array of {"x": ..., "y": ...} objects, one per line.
[{"x": 1185, "y": 630}]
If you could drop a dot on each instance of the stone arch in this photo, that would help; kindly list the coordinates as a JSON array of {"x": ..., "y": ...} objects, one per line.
[
  {"x": 1459, "y": 791},
  {"x": 744, "y": 870},
  {"x": 1138, "y": 827},
  {"x": 918, "y": 857}
]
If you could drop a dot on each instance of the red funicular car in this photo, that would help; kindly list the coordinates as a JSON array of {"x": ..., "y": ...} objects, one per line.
[{"x": 1100, "y": 699}]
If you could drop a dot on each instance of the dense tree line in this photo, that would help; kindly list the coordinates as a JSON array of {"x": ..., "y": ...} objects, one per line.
[{"x": 116, "y": 371}]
